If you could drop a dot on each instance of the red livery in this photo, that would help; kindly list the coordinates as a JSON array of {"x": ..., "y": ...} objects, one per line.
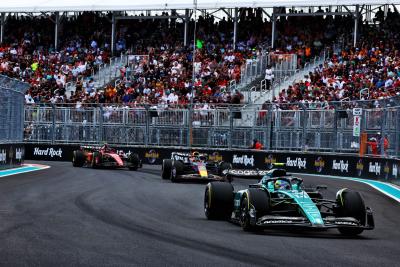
[{"x": 105, "y": 156}]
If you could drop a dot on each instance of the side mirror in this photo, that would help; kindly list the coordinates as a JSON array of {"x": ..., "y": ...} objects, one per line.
[{"x": 321, "y": 187}]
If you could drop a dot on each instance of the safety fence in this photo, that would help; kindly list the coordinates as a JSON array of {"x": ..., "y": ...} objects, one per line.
[
  {"x": 294, "y": 127},
  {"x": 11, "y": 109}
]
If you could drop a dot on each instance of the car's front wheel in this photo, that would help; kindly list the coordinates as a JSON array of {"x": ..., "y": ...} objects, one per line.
[
  {"x": 166, "y": 169},
  {"x": 96, "y": 160},
  {"x": 134, "y": 161},
  {"x": 176, "y": 170},
  {"x": 255, "y": 204},
  {"x": 351, "y": 204}
]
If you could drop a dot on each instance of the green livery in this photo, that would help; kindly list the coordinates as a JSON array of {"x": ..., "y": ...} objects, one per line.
[{"x": 281, "y": 200}]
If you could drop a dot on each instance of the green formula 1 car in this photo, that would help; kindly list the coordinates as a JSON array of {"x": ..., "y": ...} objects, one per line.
[{"x": 281, "y": 200}]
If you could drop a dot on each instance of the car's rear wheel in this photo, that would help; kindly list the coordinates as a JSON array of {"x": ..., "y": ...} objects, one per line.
[
  {"x": 176, "y": 170},
  {"x": 78, "y": 158},
  {"x": 218, "y": 201},
  {"x": 134, "y": 161},
  {"x": 96, "y": 160},
  {"x": 166, "y": 169},
  {"x": 255, "y": 204},
  {"x": 351, "y": 204}
]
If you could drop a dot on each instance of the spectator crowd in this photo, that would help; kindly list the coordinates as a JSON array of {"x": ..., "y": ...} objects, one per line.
[
  {"x": 370, "y": 71},
  {"x": 166, "y": 76}
]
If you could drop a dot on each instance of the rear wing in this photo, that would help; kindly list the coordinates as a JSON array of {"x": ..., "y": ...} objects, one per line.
[
  {"x": 184, "y": 156},
  {"x": 90, "y": 147},
  {"x": 180, "y": 156}
]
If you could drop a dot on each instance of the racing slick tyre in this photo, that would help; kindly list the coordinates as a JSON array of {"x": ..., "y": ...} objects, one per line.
[
  {"x": 176, "y": 170},
  {"x": 134, "y": 160},
  {"x": 96, "y": 160},
  {"x": 351, "y": 204},
  {"x": 218, "y": 201},
  {"x": 259, "y": 201},
  {"x": 78, "y": 158},
  {"x": 166, "y": 169}
]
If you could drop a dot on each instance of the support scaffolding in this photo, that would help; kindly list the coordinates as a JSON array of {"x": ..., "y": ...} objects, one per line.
[{"x": 56, "y": 26}]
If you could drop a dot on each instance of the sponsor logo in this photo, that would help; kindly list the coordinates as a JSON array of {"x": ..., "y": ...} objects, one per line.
[
  {"x": 395, "y": 171},
  {"x": 122, "y": 153},
  {"x": 152, "y": 156},
  {"x": 180, "y": 157},
  {"x": 386, "y": 170},
  {"x": 18, "y": 154},
  {"x": 319, "y": 164},
  {"x": 47, "y": 152},
  {"x": 298, "y": 162},
  {"x": 277, "y": 221},
  {"x": 3, "y": 156},
  {"x": 244, "y": 160},
  {"x": 346, "y": 223},
  {"x": 359, "y": 167},
  {"x": 215, "y": 157},
  {"x": 270, "y": 160},
  {"x": 374, "y": 168},
  {"x": 340, "y": 165},
  {"x": 245, "y": 172}
]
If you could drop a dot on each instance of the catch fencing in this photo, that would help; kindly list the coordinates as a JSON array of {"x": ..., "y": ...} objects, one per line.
[
  {"x": 11, "y": 109},
  {"x": 294, "y": 127}
]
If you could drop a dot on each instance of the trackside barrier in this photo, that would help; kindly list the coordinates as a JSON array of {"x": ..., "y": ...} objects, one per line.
[
  {"x": 318, "y": 126},
  {"x": 11, "y": 155},
  {"x": 311, "y": 163}
]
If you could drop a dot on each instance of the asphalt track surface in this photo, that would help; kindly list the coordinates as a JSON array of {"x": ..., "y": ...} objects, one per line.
[{"x": 65, "y": 216}]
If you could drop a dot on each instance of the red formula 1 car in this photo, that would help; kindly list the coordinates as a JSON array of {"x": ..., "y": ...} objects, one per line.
[{"x": 98, "y": 157}]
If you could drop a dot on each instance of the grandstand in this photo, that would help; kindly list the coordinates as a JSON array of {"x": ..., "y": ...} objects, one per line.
[
  {"x": 65, "y": 62},
  {"x": 203, "y": 55}
]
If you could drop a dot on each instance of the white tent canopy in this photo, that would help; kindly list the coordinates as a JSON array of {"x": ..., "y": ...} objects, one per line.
[{"x": 133, "y": 5}]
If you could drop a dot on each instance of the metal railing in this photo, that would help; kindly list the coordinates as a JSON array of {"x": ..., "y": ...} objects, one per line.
[
  {"x": 102, "y": 74},
  {"x": 296, "y": 127}
]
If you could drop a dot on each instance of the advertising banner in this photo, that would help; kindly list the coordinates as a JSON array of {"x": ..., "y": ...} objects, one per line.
[
  {"x": 313, "y": 163},
  {"x": 11, "y": 155}
]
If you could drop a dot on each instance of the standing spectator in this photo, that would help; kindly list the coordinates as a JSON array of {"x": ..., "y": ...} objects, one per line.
[
  {"x": 385, "y": 144},
  {"x": 269, "y": 75},
  {"x": 373, "y": 144},
  {"x": 257, "y": 145}
]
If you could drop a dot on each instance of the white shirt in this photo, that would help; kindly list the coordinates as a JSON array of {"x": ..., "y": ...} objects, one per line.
[
  {"x": 388, "y": 83},
  {"x": 269, "y": 75}
]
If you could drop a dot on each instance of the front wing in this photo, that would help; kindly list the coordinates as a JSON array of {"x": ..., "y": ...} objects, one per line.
[{"x": 328, "y": 222}]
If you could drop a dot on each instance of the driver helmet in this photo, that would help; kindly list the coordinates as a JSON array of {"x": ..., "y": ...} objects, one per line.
[
  {"x": 281, "y": 184},
  {"x": 196, "y": 156},
  {"x": 105, "y": 146}
]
